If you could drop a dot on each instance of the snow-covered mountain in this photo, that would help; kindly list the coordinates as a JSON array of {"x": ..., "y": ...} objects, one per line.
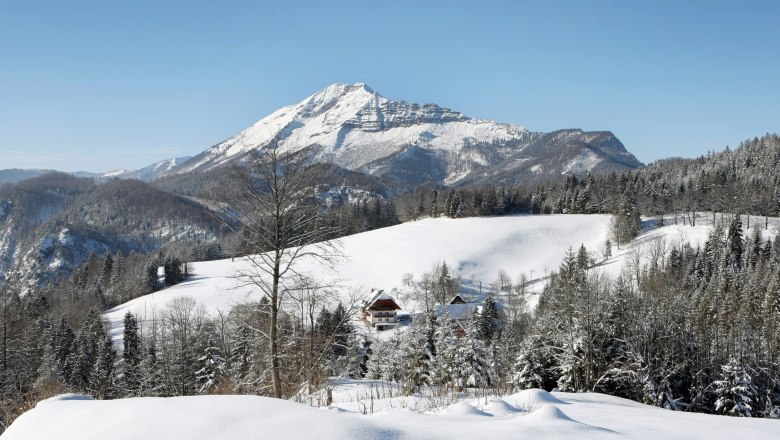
[
  {"x": 354, "y": 127},
  {"x": 148, "y": 173}
]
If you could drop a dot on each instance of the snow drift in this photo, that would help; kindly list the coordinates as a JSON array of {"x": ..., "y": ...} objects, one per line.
[
  {"x": 192, "y": 418},
  {"x": 564, "y": 416}
]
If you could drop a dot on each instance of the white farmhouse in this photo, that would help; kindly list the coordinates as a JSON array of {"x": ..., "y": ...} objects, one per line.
[{"x": 380, "y": 310}]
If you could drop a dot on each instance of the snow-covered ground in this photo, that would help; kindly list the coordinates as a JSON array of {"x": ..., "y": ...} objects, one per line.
[
  {"x": 475, "y": 248},
  {"x": 532, "y": 414},
  {"x": 654, "y": 238}
]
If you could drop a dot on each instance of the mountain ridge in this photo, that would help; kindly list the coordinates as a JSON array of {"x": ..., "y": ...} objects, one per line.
[
  {"x": 353, "y": 126},
  {"x": 356, "y": 128}
]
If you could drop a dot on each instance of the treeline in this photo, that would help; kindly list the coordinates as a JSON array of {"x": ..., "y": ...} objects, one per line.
[
  {"x": 743, "y": 181},
  {"x": 105, "y": 281},
  {"x": 694, "y": 329},
  {"x": 172, "y": 352},
  {"x": 360, "y": 216},
  {"x": 710, "y": 183}
]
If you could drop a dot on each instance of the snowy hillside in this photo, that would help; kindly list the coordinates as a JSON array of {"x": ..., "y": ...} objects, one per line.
[
  {"x": 527, "y": 414},
  {"x": 476, "y": 249},
  {"x": 148, "y": 173}
]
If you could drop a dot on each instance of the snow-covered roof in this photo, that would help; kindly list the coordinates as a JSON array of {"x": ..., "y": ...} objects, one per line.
[
  {"x": 457, "y": 311},
  {"x": 457, "y": 299},
  {"x": 379, "y": 299}
]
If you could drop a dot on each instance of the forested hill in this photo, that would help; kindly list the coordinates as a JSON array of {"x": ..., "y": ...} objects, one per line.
[
  {"x": 50, "y": 224},
  {"x": 745, "y": 180}
]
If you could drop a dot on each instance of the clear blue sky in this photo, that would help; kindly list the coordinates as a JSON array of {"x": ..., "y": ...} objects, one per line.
[{"x": 97, "y": 85}]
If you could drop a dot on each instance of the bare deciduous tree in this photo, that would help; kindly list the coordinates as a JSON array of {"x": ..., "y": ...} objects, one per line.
[{"x": 272, "y": 205}]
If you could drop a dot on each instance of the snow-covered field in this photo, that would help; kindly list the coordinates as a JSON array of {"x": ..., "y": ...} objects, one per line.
[
  {"x": 532, "y": 414},
  {"x": 475, "y": 248}
]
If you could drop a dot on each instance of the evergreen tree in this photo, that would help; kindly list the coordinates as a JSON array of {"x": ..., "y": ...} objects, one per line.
[
  {"x": 62, "y": 344},
  {"x": 101, "y": 380},
  {"x": 415, "y": 354},
  {"x": 735, "y": 391},
  {"x": 489, "y": 321},
  {"x": 151, "y": 369},
  {"x": 84, "y": 354},
  {"x": 474, "y": 369},
  {"x": 106, "y": 271},
  {"x": 535, "y": 366},
  {"x": 444, "y": 366},
  {"x": 242, "y": 354},
  {"x": 386, "y": 361},
  {"x": 49, "y": 372},
  {"x": 735, "y": 242},
  {"x": 131, "y": 357},
  {"x": 172, "y": 269},
  {"x": 211, "y": 364},
  {"x": 149, "y": 282}
]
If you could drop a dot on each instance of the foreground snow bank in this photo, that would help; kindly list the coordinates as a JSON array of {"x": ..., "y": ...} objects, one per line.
[
  {"x": 528, "y": 414},
  {"x": 192, "y": 418}
]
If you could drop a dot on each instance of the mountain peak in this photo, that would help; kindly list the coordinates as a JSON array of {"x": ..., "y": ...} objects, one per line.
[
  {"x": 341, "y": 89},
  {"x": 348, "y": 95},
  {"x": 352, "y": 126},
  {"x": 364, "y": 86}
]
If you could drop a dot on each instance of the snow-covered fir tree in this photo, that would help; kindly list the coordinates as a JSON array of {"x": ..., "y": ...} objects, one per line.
[
  {"x": 132, "y": 374},
  {"x": 735, "y": 391}
]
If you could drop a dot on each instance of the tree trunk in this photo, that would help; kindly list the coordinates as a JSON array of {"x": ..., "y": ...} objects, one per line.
[{"x": 275, "y": 367}]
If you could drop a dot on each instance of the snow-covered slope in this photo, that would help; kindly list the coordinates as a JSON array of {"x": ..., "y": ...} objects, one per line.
[
  {"x": 655, "y": 240},
  {"x": 147, "y": 173},
  {"x": 528, "y": 414},
  {"x": 352, "y": 126},
  {"x": 475, "y": 248},
  {"x": 205, "y": 417}
]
